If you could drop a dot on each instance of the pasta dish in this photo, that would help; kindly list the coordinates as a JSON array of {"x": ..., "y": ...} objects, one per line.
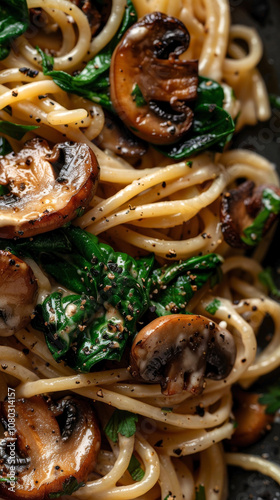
[{"x": 131, "y": 241}]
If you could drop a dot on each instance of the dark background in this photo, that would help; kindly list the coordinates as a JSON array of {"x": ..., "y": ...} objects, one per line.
[{"x": 264, "y": 139}]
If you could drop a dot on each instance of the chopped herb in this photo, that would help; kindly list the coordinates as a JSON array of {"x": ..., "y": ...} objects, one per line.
[
  {"x": 189, "y": 164},
  {"x": 69, "y": 486},
  {"x": 14, "y": 21},
  {"x": 213, "y": 307},
  {"x": 200, "y": 493},
  {"x": 121, "y": 422},
  {"x": 266, "y": 278},
  {"x": 138, "y": 96},
  {"x": 135, "y": 469},
  {"x": 166, "y": 409},
  {"x": 271, "y": 399},
  {"x": 271, "y": 205}
]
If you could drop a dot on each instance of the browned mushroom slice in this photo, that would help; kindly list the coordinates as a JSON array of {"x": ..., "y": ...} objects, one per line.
[
  {"x": 178, "y": 351},
  {"x": 150, "y": 86},
  {"x": 248, "y": 212},
  {"x": 18, "y": 293},
  {"x": 115, "y": 137},
  {"x": 47, "y": 188},
  {"x": 55, "y": 448},
  {"x": 252, "y": 420}
]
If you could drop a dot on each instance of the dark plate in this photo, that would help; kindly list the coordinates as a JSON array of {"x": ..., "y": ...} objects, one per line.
[{"x": 264, "y": 139}]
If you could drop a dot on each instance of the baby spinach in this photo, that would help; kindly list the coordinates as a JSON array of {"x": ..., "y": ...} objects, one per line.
[
  {"x": 270, "y": 205},
  {"x": 212, "y": 126},
  {"x": 93, "y": 81},
  {"x": 14, "y": 20},
  {"x": 14, "y": 130},
  {"x": 110, "y": 292}
]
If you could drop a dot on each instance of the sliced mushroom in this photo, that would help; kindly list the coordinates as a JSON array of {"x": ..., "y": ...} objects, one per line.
[
  {"x": 150, "y": 86},
  {"x": 18, "y": 293},
  {"x": 47, "y": 188},
  {"x": 240, "y": 207},
  {"x": 252, "y": 420},
  {"x": 120, "y": 141},
  {"x": 178, "y": 351},
  {"x": 46, "y": 457}
]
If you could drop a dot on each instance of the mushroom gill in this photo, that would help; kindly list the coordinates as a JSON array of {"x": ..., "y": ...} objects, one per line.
[{"x": 178, "y": 351}]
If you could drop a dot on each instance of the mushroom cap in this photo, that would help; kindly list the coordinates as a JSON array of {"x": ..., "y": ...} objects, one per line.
[
  {"x": 18, "y": 293},
  {"x": 47, "y": 188},
  {"x": 178, "y": 351},
  {"x": 49, "y": 459},
  {"x": 239, "y": 207},
  {"x": 147, "y": 57}
]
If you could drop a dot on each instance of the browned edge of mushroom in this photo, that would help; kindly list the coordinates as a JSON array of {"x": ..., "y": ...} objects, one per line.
[
  {"x": 147, "y": 60},
  {"x": 251, "y": 418},
  {"x": 54, "y": 443},
  {"x": 47, "y": 188},
  {"x": 239, "y": 207},
  {"x": 178, "y": 351},
  {"x": 120, "y": 140},
  {"x": 18, "y": 293}
]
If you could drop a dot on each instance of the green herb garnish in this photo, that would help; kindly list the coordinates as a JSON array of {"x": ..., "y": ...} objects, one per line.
[
  {"x": 213, "y": 307},
  {"x": 121, "y": 422}
]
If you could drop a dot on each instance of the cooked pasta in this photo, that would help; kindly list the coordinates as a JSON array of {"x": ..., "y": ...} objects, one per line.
[{"x": 163, "y": 206}]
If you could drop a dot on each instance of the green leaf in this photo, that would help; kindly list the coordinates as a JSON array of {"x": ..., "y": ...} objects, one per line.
[
  {"x": 14, "y": 130},
  {"x": 271, "y": 399},
  {"x": 200, "y": 493},
  {"x": 270, "y": 205},
  {"x": 274, "y": 101},
  {"x": 111, "y": 293},
  {"x": 212, "y": 127},
  {"x": 138, "y": 97},
  {"x": 135, "y": 469},
  {"x": 5, "y": 147},
  {"x": 213, "y": 307},
  {"x": 209, "y": 92},
  {"x": 93, "y": 81},
  {"x": 172, "y": 286},
  {"x": 14, "y": 20},
  {"x": 266, "y": 278},
  {"x": 69, "y": 486},
  {"x": 121, "y": 422}
]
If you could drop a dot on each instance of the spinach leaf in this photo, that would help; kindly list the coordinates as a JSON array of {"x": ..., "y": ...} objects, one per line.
[
  {"x": 271, "y": 399},
  {"x": 95, "y": 76},
  {"x": 274, "y": 101},
  {"x": 271, "y": 205},
  {"x": 172, "y": 286},
  {"x": 266, "y": 277},
  {"x": 212, "y": 127},
  {"x": 121, "y": 422},
  {"x": 14, "y": 22},
  {"x": 209, "y": 92},
  {"x": 14, "y": 130},
  {"x": 5, "y": 147},
  {"x": 111, "y": 291}
]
